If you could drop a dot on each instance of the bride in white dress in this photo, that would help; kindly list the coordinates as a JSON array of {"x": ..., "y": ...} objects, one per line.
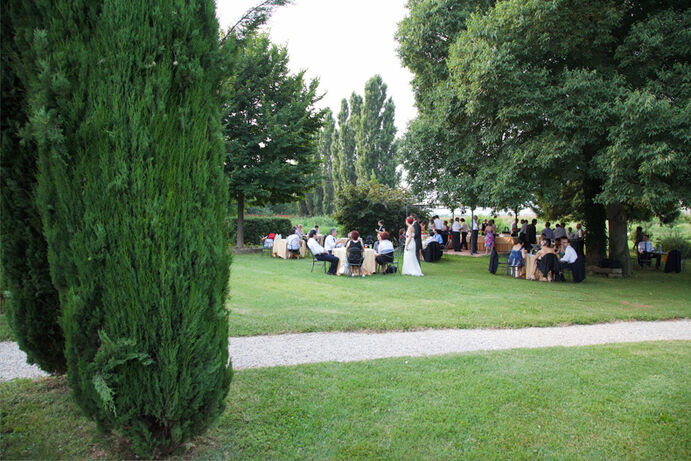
[{"x": 411, "y": 266}]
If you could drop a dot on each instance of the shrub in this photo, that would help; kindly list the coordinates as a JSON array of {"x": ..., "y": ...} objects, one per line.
[
  {"x": 33, "y": 305},
  {"x": 360, "y": 207},
  {"x": 257, "y": 227},
  {"x": 677, "y": 242},
  {"x": 133, "y": 197}
]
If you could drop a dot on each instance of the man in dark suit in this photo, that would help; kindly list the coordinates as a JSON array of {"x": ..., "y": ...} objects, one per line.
[
  {"x": 418, "y": 236},
  {"x": 532, "y": 232}
]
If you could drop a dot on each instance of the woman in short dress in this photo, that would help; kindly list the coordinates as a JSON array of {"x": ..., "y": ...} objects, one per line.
[{"x": 489, "y": 238}]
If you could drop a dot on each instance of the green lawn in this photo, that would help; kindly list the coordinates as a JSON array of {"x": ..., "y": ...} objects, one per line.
[
  {"x": 269, "y": 295},
  {"x": 628, "y": 401}
]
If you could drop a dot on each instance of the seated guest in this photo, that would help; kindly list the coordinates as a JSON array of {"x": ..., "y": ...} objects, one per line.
[
  {"x": 516, "y": 259},
  {"x": 298, "y": 230},
  {"x": 558, "y": 232},
  {"x": 330, "y": 241},
  {"x": 544, "y": 265},
  {"x": 321, "y": 255},
  {"x": 646, "y": 252},
  {"x": 645, "y": 246},
  {"x": 570, "y": 255},
  {"x": 437, "y": 236},
  {"x": 355, "y": 250},
  {"x": 547, "y": 232},
  {"x": 430, "y": 238},
  {"x": 316, "y": 229},
  {"x": 293, "y": 243},
  {"x": 384, "y": 254}
]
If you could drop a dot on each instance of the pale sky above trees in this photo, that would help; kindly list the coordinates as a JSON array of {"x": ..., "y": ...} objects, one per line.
[{"x": 343, "y": 42}]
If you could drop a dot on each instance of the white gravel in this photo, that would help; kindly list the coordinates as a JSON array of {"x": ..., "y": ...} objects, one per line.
[{"x": 295, "y": 349}]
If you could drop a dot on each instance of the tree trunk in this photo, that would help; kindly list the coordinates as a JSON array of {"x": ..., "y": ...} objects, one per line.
[
  {"x": 594, "y": 221},
  {"x": 618, "y": 241},
  {"x": 240, "y": 242}
]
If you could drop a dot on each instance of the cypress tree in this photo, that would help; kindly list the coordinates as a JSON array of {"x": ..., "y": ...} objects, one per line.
[
  {"x": 33, "y": 308},
  {"x": 133, "y": 196}
]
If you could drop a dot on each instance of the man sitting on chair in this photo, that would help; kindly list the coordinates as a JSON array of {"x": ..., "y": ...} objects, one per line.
[
  {"x": 570, "y": 255},
  {"x": 646, "y": 251},
  {"x": 384, "y": 254},
  {"x": 321, "y": 255},
  {"x": 330, "y": 241}
]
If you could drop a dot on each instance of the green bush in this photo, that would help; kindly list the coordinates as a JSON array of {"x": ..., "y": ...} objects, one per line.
[
  {"x": 677, "y": 242},
  {"x": 133, "y": 197},
  {"x": 257, "y": 227},
  {"x": 32, "y": 304},
  {"x": 360, "y": 207}
]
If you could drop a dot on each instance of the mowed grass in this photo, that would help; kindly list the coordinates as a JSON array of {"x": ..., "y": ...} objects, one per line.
[
  {"x": 627, "y": 401},
  {"x": 271, "y": 295}
]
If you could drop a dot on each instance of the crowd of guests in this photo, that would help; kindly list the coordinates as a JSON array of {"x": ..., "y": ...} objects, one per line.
[
  {"x": 354, "y": 247},
  {"x": 556, "y": 252}
]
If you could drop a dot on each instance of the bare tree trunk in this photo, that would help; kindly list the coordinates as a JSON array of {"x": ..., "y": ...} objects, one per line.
[
  {"x": 595, "y": 218},
  {"x": 240, "y": 242},
  {"x": 618, "y": 241}
]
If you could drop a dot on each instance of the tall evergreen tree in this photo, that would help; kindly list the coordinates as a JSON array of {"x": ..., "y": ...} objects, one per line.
[
  {"x": 348, "y": 124},
  {"x": 270, "y": 127},
  {"x": 33, "y": 307},
  {"x": 375, "y": 135},
  {"x": 326, "y": 150},
  {"x": 133, "y": 197}
]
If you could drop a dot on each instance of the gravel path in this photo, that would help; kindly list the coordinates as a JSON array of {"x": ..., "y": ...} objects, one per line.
[{"x": 294, "y": 349}]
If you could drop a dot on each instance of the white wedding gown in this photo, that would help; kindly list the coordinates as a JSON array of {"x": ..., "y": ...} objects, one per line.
[{"x": 411, "y": 266}]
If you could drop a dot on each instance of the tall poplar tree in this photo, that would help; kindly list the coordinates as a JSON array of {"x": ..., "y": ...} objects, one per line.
[
  {"x": 326, "y": 151},
  {"x": 133, "y": 197},
  {"x": 33, "y": 307},
  {"x": 348, "y": 124},
  {"x": 375, "y": 135}
]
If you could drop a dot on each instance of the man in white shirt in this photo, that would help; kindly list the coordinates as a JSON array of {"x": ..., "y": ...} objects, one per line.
[
  {"x": 384, "y": 251},
  {"x": 437, "y": 223},
  {"x": 473, "y": 236},
  {"x": 570, "y": 255},
  {"x": 647, "y": 250},
  {"x": 330, "y": 241},
  {"x": 321, "y": 255},
  {"x": 456, "y": 235}
]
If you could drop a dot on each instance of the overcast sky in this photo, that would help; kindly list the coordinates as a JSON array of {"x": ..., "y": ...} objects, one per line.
[{"x": 342, "y": 42}]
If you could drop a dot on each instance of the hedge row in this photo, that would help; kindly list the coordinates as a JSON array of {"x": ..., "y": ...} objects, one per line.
[{"x": 256, "y": 228}]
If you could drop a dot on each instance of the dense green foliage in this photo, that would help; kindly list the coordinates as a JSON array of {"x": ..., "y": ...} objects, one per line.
[
  {"x": 360, "y": 207},
  {"x": 33, "y": 305},
  {"x": 575, "y": 108},
  {"x": 375, "y": 136},
  {"x": 270, "y": 126},
  {"x": 257, "y": 227},
  {"x": 364, "y": 147},
  {"x": 133, "y": 196},
  {"x": 617, "y": 401}
]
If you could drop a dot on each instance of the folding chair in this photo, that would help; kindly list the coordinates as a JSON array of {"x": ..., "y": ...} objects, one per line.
[
  {"x": 355, "y": 259},
  {"x": 315, "y": 260}
]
